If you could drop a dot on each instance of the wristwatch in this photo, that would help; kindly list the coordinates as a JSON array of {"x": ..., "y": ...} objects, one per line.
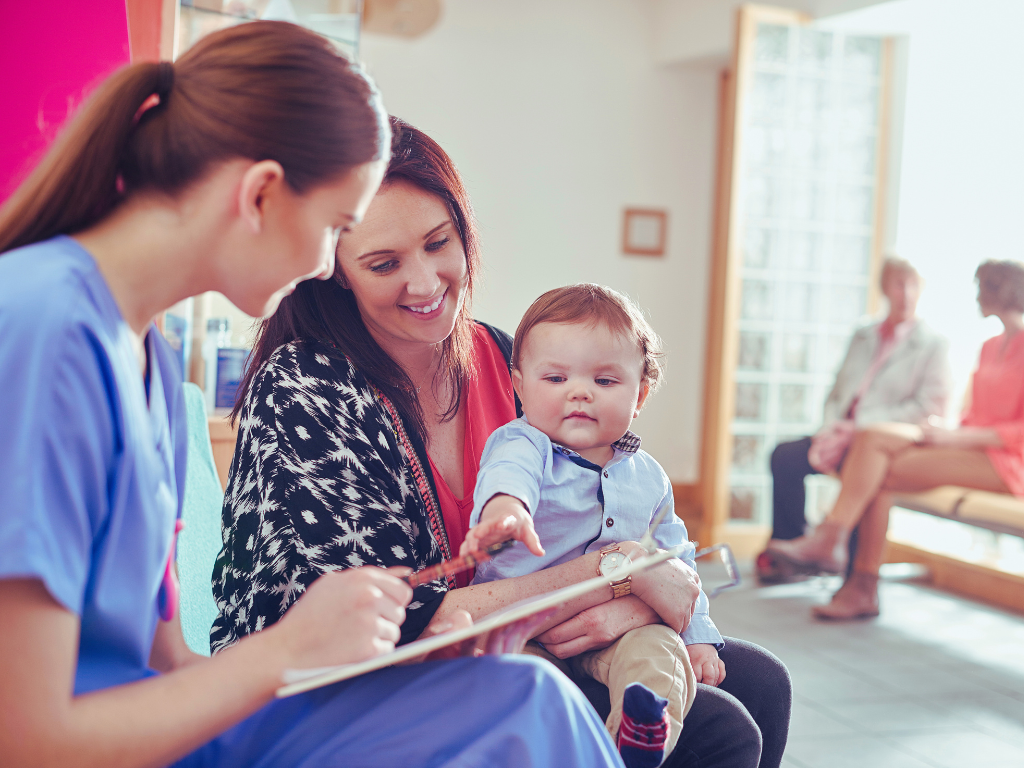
[{"x": 612, "y": 557}]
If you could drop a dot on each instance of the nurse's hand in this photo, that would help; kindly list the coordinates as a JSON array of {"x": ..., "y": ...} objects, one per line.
[
  {"x": 345, "y": 617},
  {"x": 503, "y": 517}
]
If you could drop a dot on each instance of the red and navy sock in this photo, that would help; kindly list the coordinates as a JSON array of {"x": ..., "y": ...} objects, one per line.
[{"x": 644, "y": 727}]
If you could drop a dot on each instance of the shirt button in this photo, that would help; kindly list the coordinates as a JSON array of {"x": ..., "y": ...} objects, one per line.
[
  {"x": 609, "y": 522},
  {"x": 606, "y": 473}
]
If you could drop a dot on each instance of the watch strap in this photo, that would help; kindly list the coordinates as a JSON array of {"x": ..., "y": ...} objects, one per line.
[{"x": 623, "y": 586}]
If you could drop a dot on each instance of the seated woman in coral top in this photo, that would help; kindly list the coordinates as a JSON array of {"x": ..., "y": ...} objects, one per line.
[{"x": 985, "y": 452}]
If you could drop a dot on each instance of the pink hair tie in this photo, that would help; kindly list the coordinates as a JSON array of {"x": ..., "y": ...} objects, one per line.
[
  {"x": 164, "y": 83},
  {"x": 151, "y": 101}
]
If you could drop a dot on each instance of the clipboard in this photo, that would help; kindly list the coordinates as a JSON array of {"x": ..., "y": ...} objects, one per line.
[{"x": 302, "y": 680}]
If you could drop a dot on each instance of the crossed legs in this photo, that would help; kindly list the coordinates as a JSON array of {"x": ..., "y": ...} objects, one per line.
[{"x": 881, "y": 460}]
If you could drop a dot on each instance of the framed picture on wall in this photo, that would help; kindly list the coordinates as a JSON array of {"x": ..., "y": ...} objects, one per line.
[{"x": 644, "y": 231}]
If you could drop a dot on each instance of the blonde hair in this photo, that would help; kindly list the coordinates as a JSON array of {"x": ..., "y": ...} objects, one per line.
[
  {"x": 590, "y": 303},
  {"x": 894, "y": 263}
]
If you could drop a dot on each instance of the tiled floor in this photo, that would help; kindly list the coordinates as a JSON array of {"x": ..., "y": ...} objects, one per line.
[{"x": 935, "y": 682}]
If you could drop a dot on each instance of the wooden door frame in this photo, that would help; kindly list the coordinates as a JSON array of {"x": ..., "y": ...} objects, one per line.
[{"x": 710, "y": 523}]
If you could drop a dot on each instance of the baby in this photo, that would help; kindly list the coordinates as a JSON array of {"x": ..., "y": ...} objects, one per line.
[{"x": 584, "y": 362}]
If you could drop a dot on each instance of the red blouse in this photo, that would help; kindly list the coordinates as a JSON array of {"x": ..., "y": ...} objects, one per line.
[
  {"x": 489, "y": 403},
  {"x": 997, "y": 402}
]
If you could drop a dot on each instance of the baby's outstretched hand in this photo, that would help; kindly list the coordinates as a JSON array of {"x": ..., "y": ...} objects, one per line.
[{"x": 503, "y": 517}]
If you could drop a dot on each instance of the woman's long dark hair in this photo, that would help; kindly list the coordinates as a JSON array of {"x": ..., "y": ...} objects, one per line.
[
  {"x": 262, "y": 90},
  {"x": 327, "y": 312}
]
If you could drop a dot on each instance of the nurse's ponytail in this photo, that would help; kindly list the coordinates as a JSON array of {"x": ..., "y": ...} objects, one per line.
[{"x": 262, "y": 90}]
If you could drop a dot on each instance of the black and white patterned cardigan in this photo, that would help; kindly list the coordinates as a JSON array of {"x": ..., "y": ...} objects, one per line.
[{"x": 318, "y": 482}]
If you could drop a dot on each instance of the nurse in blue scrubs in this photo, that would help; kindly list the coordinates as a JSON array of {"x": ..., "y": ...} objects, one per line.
[{"x": 233, "y": 170}]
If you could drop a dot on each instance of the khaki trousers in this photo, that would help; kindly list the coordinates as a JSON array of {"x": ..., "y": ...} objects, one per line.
[{"x": 653, "y": 655}]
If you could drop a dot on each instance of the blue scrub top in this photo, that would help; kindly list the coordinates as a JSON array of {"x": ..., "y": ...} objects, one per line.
[{"x": 91, "y": 475}]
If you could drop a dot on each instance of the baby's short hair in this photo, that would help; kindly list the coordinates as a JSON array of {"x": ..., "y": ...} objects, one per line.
[{"x": 587, "y": 303}]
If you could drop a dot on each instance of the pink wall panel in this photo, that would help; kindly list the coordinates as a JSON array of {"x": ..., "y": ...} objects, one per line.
[{"x": 52, "y": 53}]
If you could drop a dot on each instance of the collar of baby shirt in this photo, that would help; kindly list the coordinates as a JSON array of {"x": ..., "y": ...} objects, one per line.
[
  {"x": 625, "y": 446},
  {"x": 628, "y": 443}
]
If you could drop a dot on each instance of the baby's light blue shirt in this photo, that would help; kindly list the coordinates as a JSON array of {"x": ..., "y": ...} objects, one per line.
[{"x": 579, "y": 507}]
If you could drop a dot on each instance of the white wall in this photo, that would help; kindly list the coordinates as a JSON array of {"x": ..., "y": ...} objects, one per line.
[
  {"x": 558, "y": 117},
  {"x": 961, "y": 196}
]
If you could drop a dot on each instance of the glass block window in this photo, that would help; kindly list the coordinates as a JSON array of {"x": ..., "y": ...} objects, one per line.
[{"x": 808, "y": 188}]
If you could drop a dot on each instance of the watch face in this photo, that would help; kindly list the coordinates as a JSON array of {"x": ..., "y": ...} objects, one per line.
[{"x": 611, "y": 561}]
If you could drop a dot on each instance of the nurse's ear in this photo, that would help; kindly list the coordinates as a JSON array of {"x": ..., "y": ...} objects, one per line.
[{"x": 262, "y": 185}]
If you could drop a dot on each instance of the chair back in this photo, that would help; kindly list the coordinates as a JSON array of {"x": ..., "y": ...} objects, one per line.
[{"x": 200, "y": 539}]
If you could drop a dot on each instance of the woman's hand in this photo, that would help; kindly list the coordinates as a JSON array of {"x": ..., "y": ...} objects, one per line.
[
  {"x": 937, "y": 436},
  {"x": 598, "y": 626},
  {"x": 708, "y": 668},
  {"x": 345, "y": 617},
  {"x": 503, "y": 518},
  {"x": 671, "y": 589},
  {"x": 968, "y": 438}
]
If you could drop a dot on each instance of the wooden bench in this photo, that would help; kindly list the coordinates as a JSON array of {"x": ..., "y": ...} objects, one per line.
[
  {"x": 981, "y": 580},
  {"x": 997, "y": 512}
]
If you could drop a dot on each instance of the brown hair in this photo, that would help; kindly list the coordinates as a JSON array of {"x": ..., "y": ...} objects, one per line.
[
  {"x": 262, "y": 90},
  {"x": 592, "y": 304},
  {"x": 1001, "y": 283},
  {"x": 326, "y": 311}
]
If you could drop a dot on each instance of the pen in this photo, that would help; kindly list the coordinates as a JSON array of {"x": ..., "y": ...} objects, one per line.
[{"x": 456, "y": 564}]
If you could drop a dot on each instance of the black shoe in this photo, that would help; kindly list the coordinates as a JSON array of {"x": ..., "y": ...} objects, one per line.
[{"x": 776, "y": 570}]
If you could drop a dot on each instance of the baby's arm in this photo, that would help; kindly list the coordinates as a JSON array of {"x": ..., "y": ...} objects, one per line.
[
  {"x": 663, "y": 586},
  {"x": 507, "y": 488},
  {"x": 700, "y": 635},
  {"x": 503, "y": 517},
  {"x": 699, "y": 628}
]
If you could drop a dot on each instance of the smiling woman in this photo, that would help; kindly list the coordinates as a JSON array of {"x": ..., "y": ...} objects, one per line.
[
  {"x": 411, "y": 291},
  {"x": 379, "y": 354},
  {"x": 424, "y": 211}
]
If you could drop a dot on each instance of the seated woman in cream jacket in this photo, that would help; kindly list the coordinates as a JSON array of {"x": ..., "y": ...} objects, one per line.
[{"x": 895, "y": 370}]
